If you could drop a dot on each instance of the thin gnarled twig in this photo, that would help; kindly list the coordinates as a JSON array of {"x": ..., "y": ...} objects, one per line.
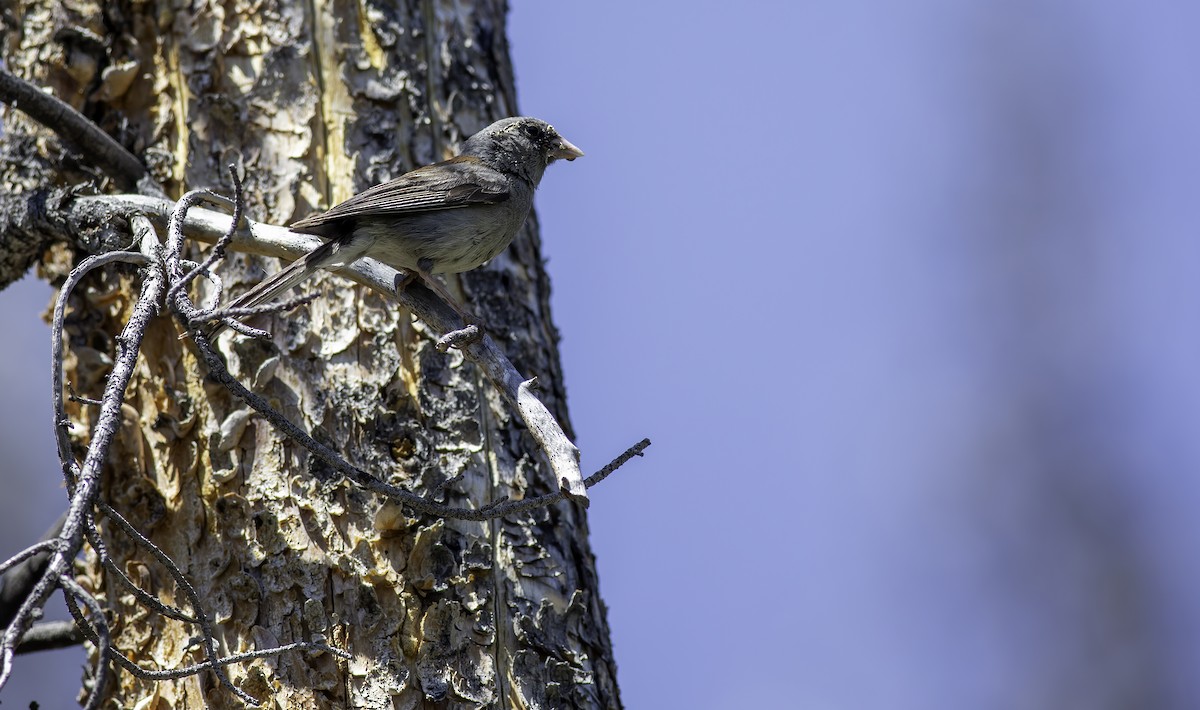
[
  {"x": 66, "y": 458},
  {"x": 146, "y": 598},
  {"x": 72, "y": 591},
  {"x": 49, "y": 635},
  {"x": 193, "y": 597},
  {"x": 203, "y": 317},
  {"x": 93, "y": 635},
  {"x": 618, "y": 462},
  {"x": 75, "y": 397},
  {"x": 85, "y": 487},
  {"x": 218, "y": 250},
  {"x": 458, "y": 337},
  {"x": 172, "y": 266},
  {"x": 34, "y": 549}
]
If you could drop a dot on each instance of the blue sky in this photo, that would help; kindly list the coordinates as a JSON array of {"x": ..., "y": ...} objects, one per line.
[{"x": 905, "y": 296}]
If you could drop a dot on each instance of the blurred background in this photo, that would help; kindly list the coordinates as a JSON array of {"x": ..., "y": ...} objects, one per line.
[{"x": 906, "y": 296}]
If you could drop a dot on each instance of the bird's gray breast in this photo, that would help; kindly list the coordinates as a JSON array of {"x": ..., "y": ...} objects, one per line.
[{"x": 455, "y": 240}]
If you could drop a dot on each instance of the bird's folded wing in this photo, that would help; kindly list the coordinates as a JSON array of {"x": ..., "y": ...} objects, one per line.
[{"x": 458, "y": 182}]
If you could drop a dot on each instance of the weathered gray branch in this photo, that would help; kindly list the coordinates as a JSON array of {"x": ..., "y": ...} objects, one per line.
[
  {"x": 49, "y": 635},
  {"x": 86, "y": 487},
  {"x": 97, "y": 146},
  {"x": 21, "y": 573}
]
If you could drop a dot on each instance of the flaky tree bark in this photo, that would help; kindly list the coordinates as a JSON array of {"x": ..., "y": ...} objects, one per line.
[{"x": 315, "y": 101}]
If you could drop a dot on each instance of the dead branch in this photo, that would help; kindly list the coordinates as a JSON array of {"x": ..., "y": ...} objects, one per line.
[
  {"x": 97, "y": 146},
  {"x": 49, "y": 635}
]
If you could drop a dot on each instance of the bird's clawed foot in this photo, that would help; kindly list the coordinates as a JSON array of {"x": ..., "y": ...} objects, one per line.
[
  {"x": 459, "y": 338},
  {"x": 473, "y": 329}
]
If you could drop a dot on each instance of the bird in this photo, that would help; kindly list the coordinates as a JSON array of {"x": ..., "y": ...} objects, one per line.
[{"x": 447, "y": 217}]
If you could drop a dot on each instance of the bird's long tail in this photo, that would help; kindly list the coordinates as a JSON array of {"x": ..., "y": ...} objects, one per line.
[{"x": 331, "y": 254}]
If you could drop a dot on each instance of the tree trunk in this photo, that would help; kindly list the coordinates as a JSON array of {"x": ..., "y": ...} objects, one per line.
[{"x": 313, "y": 102}]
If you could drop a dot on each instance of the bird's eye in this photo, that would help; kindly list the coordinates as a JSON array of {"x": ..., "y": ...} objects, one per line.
[{"x": 534, "y": 131}]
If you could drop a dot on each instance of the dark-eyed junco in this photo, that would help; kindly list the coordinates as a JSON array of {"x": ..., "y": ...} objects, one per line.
[{"x": 443, "y": 218}]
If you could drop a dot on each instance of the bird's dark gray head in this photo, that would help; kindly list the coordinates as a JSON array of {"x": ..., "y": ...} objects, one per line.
[{"x": 520, "y": 145}]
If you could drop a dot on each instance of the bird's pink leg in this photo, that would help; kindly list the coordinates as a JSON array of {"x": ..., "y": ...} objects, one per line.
[{"x": 435, "y": 285}]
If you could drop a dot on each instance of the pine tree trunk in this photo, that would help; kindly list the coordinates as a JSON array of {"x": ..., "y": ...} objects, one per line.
[{"x": 315, "y": 101}]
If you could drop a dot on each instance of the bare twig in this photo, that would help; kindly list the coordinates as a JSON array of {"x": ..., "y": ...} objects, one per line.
[
  {"x": 86, "y": 485},
  {"x": 184, "y": 671},
  {"x": 49, "y": 635},
  {"x": 174, "y": 268},
  {"x": 240, "y": 327},
  {"x": 93, "y": 635},
  {"x": 210, "y": 276},
  {"x": 147, "y": 599},
  {"x": 85, "y": 626},
  {"x": 36, "y": 549},
  {"x": 175, "y": 237},
  {"x": 74, "y": 397},
  {"x": 155, "y": 551},
  {"x": 202, "y": 317},
  {"x": 618, "y": 462},
  {"x": 218, "y": 250},
  {"x": 72, "y": 592},
  {"x": 65, "y": 457},
  {"x": 21, "y": 572},
  {"x": 458, "y": 337}
]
